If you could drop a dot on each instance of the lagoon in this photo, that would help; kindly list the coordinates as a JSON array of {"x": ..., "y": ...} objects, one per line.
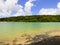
[{"x": 16, "y": 29}]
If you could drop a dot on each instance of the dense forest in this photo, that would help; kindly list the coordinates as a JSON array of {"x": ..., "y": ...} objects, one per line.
[{"x": 35, "y": 18}]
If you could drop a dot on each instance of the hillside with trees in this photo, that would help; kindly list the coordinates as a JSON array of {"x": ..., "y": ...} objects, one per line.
[{"x": 35, "y": 18}]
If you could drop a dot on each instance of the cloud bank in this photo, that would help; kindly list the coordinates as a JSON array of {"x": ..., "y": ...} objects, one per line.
[
  {"x": 12, "y": 8},
  {"x": 50, "y": 11},
  {"x": 28, "y": 7}
]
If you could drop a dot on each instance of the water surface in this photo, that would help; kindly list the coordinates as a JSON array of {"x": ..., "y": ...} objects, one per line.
[{"x": 15, "y": 29}]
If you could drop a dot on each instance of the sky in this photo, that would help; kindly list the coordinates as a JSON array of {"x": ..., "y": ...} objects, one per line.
[{"x": 10, "y": 8}]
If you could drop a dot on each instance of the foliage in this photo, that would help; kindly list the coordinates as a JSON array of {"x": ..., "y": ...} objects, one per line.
[{"x": 35, "y": 18}]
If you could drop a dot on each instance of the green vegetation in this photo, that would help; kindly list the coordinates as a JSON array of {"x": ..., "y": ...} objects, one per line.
[{"x": 35, "y": 18}]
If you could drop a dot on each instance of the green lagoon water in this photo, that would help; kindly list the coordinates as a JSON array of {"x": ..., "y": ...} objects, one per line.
[{"x": 10, "y": 29}]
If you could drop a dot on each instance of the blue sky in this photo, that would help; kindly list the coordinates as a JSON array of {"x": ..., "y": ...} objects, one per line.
[
  {"x": 41, "y": 4},
  {"x": 29, "y": 7}
]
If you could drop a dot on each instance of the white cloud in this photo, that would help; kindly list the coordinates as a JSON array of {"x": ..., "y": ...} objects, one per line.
[
  {"x": 28, "y": 7},
  {"x": 50, "y": 11},
  {"x": 58, "y": 5},
  {"x": 12, "y": 8},
  {"x": 7, "y": 7}
]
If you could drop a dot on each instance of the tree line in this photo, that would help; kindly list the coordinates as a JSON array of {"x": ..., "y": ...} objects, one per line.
[{"x": 34, "y": 18}]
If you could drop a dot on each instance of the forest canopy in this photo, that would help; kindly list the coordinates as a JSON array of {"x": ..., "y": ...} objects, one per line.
[{"x": 34, "y": 18}]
